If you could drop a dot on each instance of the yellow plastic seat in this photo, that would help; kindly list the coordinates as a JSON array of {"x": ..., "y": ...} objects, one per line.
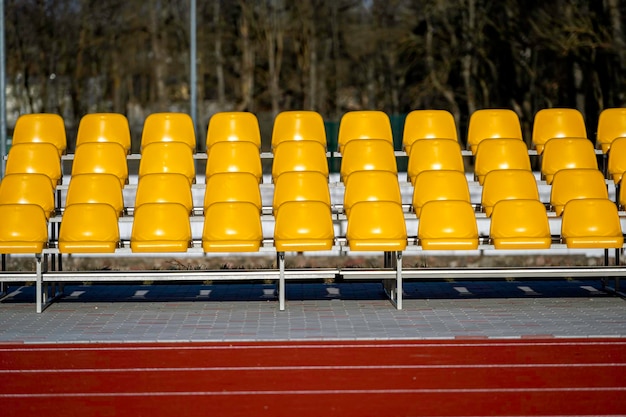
[
  {"x": 101, "y": 158},
  {"x": 508, "y": 184},
  {"x": 164, "y": 188},
  {"x": 40, "y": 158},
  {"x": 611, "y": 125},
  {"x": 96, "y": 189},
  {"x": 104, "y": 127},
  {"x": 591, "y": 223},
  {"x": 434, "y": 154},
  {"x": 168, "y": 127},
  {"x": 168, "y": 157},
  {"x": 23, "y": 228},
  {"x": 520, "y": 224},
  {"x": 567, "y": 153},
  {"x": 367, "y": 155},
  {"x": 447, "y": 225},
  {"x": 376, "y": 226},
  {"x": 492, "y": 154},
  {"x": 161, "y": 227},
  {"x": 428, "y": 124},
  {"x": 232, "y": 227},
  {"x": 233, "y": 127},
  {"x": 28, "y": 189},
  {"x": 364, "y": 124},
  {"x": 300, "y": 186},
  {"x": 371, "y": 186},
  {"x": 234, "y": 157},
  {"x": 41, "y": 128},
  {"x": 303, "y": 226},
  {"x": 617, "y": 160},
  {"x": 570, "y": 184},
  {"x": 439, "y": 185},
  {"x": 89, "y": 228},
  {"x": 302, "y": 155},
  {"x": 298, "y": 125},
  {"x": 231, "y": 187},
  {"x": 492, "y": 124},
  {"x": 557, "y": 123}
]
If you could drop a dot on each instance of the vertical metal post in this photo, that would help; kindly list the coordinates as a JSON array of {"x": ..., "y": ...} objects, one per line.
[
  {"x": 3, "y": 100},
  {"x": 193, "y": 84}
]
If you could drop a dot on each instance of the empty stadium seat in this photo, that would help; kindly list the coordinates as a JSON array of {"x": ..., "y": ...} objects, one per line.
[
  {"x": 28, "y": 189},
  {"x": 231, "y": 187},
  {"x": 435, "y": 185},
  {"x": 298, "y": 125},
  {"x": 507, "y": 184},
  {"x": 611, "y": 125},
  {"x": 168, "y": 127},
  {"x": 301, "y": 155},
  {"x": 520, "y": 224},
  {"x": 303, "y": 226},
  {"x": 447, "y": 225},
  {"x": 168, "y": 157},
  {"x": 41, "y": 128},
  {"x": 232, "y": 227},
  {"x": 234, "y": 157},
  {"x": 492, "y": 123},
  {"x": 591, "y": 223},
  {"x": 164, "y": 188},
  {"x": 570, "y": 184},
  {"x": 233, "y": 127},
  {"x": 434, "y": 154},
  {"x": 23, "y": 228},
  {"x": 94, "y": 189},
  {"x": 300, "y": 186},
  {"x": 89, "y": 228},
  {"x": 101, "y": 158},
  {"x": 364, "y": 124},
  {"x": 557, "y": 123},
  {"x": 428, "y": 124},
  {"x": 371, "y": 186},
  {"x": 505, "y": 153},
  {"x": 567, "y": 153},
  {"x": 41, "y": 158},
  {"x": 367, "y": 155},
  {"x": 160, "y": 227},
  {"x": 104, "y": 127},
  {"x": 617, "y": 160},
  {"x": 376, "y": 226}
]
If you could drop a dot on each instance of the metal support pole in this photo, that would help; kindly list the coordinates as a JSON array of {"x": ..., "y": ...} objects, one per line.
[
  {"x": 399, "y": 280},
  {"x": 193, "y": 84},
  {"x": 281, "y": 281},
  {"x": 3, "y": 100}
]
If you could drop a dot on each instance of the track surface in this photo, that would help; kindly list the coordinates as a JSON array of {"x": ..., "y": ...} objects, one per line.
[{"x": 364, "y": 378}]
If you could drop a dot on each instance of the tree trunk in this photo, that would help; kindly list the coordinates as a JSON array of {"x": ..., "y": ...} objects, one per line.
[
  {"x": 219, "y": 58},
  {"x": 158, "y": 57},
  {"x": 247, "y": 63}
]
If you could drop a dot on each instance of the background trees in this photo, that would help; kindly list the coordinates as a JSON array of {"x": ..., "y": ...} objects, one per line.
[{"x": 132, "y": 56}]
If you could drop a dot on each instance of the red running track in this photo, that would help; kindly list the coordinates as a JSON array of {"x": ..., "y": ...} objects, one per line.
[{"x": 303, "y": 379}]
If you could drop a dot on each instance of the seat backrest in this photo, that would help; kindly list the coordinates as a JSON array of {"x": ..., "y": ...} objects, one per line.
[
  {"x": 435, "y": 185},
  {"x": 447, "y": 225},
  {"x": 233, "y": 127},
  {"x": 232, "y": 186},
  {"x": 96, "y": 188},
  {"x": 434, "y": 154},
  {"x": 376, "y": 226},
  {"x": 168, "y": 157},
  {"x": 168, "y": 127},
  {"x": 520, "y": 224},
  {"x": 304, "y": 226},
  {"x": 300, "y": 186},
  {"x": 504, "y": 153},
  {"x": 232, "y": 227},
  {"x": 164, "y": 188},
  {"x": 428, "y": 124},
  {"x": 101, "y": 158},
  {"x": 161, "y": 227},
  {"x": 617, "y": 159},
  {"x": 89, "y": 228},
  {"x": 557, "y": 123},
  {"x": 104, "y": 127},
  {"x": 371, "y": 186},
  {"x": 28, "y": 189},
  {"x": 570, "y": 184},
  {"x": 367, "y": 155},
  {"x": 23, "y": 229},
  {"x": 301, "y": 155},
  {"x": 611, "y": 125},
  {"x": 567, "y": 153},
  {"x": 41, "y": 158},
  {"x": 591, "y": 223},
  {"x": 364, "y": 124},
  {"x": 492, "y": 123},
  {"x": 298, "y": 125},
  {"x": 41, "y": 128},
  {"x": 508, "y": 184},
  {"x": 234, "y": 157}
]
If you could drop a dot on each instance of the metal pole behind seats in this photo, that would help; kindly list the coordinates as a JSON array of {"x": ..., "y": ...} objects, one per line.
[{"x": 3, "y": 100}]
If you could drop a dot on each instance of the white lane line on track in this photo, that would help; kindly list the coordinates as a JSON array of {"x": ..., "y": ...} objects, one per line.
[
  {"x": 313, "y": 368},
  {"x": 315, "y": 392}
]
